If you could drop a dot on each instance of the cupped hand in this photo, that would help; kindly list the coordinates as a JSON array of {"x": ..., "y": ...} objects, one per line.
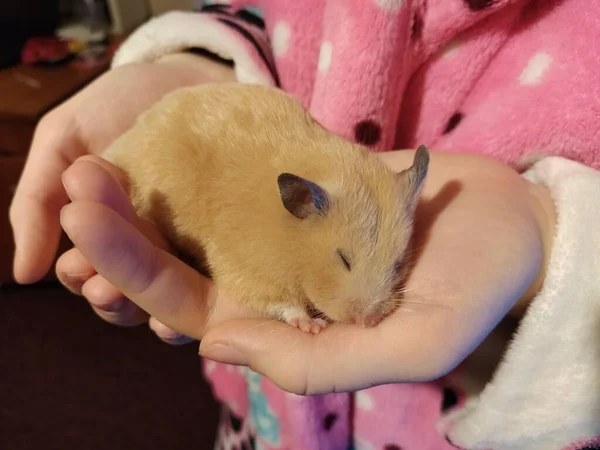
[
  {"x": 483, "y": 236},
  {"x": 85, "y": 125},
  {"x": 131, "y": 255}
]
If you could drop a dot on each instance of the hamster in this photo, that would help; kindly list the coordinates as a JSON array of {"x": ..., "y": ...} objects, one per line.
[{"x": 295, "y": 222}]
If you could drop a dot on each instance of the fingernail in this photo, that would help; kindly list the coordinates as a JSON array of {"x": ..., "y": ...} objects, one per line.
[
  {"x": 115, "y": 306},
  {"x": 72, "y": 282},
  {"x": 178, "y": 339},
  {"x": 224, "y": 354}
]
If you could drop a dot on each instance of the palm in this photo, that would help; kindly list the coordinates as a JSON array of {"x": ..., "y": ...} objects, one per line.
[{"x": 461, "y": 285}]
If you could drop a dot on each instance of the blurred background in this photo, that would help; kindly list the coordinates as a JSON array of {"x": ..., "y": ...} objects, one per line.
[{"x": 67, "y": 379}]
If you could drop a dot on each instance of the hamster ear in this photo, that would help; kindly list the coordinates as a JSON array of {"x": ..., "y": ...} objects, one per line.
[
  {"x": 301, "y": 197},
  {"x": 412, "y": 178}
]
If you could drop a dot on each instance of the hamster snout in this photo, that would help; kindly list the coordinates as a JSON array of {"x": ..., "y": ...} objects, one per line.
[
  {"x": 367, "y": 314},
  {"x": 374, "y": 314}
]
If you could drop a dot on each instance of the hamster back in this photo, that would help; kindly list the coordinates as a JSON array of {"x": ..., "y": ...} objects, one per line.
[{"x": 282, "y": 214}]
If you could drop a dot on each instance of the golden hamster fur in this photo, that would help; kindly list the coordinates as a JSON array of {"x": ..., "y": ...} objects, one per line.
[{"x": 287, "y": 217}]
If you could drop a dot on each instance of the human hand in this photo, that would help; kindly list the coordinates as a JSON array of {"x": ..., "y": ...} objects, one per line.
[
  {"x": 482, "y": 241},
  {"x": 131, "y": 255},
  {"x": 85, "y": 125}
]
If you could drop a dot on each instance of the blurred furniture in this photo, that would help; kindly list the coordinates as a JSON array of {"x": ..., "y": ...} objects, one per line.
[
  {"x": 129, "y": 14},
  {"x": 21, "y": 19},
  {"x": 26, "y": 94}
]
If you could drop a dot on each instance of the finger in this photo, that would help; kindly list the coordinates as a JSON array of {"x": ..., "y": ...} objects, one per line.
[
  {"x": 73, "y": 270},
  {"x": 103, "y": 295},
  {"x": 156, "y": 281},
  {"x": 340, "y": 358},
  {"x": 94, "y": 179},
  {"x": 113, "y": 170},
  {"x": 130, "y": 315},
  {"x": 91, "y": 178},
  {"x": 166, "y": 334},
  {"x": 34, "y": 212},
  {"x": 110, "y": 304}
]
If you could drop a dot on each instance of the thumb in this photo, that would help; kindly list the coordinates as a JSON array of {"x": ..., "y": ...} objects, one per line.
[{"x": 341, "y": 358}]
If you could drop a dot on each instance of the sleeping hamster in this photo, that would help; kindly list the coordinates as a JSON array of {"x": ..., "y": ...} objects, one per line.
[{"x": 287, "y": 217}]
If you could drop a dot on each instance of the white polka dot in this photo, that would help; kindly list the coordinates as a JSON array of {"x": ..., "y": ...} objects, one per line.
[
  {"x": 535, "y": 69},
  {"x": 325, "y": 56},
  {"x": 391, "y": 5},
  {"x": 364, "y": 401},
  {"x": 281, "y": 38},
  {"x": 451, "y": 49}
]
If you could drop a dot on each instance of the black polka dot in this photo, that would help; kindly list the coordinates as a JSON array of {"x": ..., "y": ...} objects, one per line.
[
  {"x": 450, "y": 399},
  {"x": 478, "y": 5},
  {"x": 329, "y": 421},
  {"x": 236, "y": 423},
  {"x": 392, "y": 447},
  {"x": 417, "y": 27},
  {"x": 252, "y": 442},
  {"x": 367, "y": 132},
  {"x": 453, "y": 122}
]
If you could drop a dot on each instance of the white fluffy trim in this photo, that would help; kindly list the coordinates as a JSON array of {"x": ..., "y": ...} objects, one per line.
[
  {"x": 178, "y": 31},
  {"x": 545, "y": 394}
]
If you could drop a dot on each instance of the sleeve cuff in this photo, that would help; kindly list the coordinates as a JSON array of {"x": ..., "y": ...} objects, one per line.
[
  {"x": 545, "y": 394},
  {"x": 219, "y": 32}
]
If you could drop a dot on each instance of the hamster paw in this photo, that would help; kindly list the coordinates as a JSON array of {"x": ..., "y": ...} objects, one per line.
[
  {"x": 297, "y": 317},
  {"x": 309, "y": 325}
]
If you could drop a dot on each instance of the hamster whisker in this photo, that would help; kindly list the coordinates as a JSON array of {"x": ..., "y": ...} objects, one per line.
[
  {"x": 402, "y": 301},
  {"x": 410, "y": 254},
  {"x": 418, "y": 302},
  {"x": 404, "y": 290}
]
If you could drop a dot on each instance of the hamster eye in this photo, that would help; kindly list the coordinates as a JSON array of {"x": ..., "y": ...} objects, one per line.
[{"x": 344, "y": 259}]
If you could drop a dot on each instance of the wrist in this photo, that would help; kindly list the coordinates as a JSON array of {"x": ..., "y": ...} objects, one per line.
[{"x": 544, "y": 213}]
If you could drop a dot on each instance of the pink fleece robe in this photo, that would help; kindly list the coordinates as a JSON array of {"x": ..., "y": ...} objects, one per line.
[{"x": 517, "y": 80}]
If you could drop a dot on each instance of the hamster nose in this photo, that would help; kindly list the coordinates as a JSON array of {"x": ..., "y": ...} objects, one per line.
[
  {"x": 372, "y": 319},
  {"x": 368, "y": 321}
]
